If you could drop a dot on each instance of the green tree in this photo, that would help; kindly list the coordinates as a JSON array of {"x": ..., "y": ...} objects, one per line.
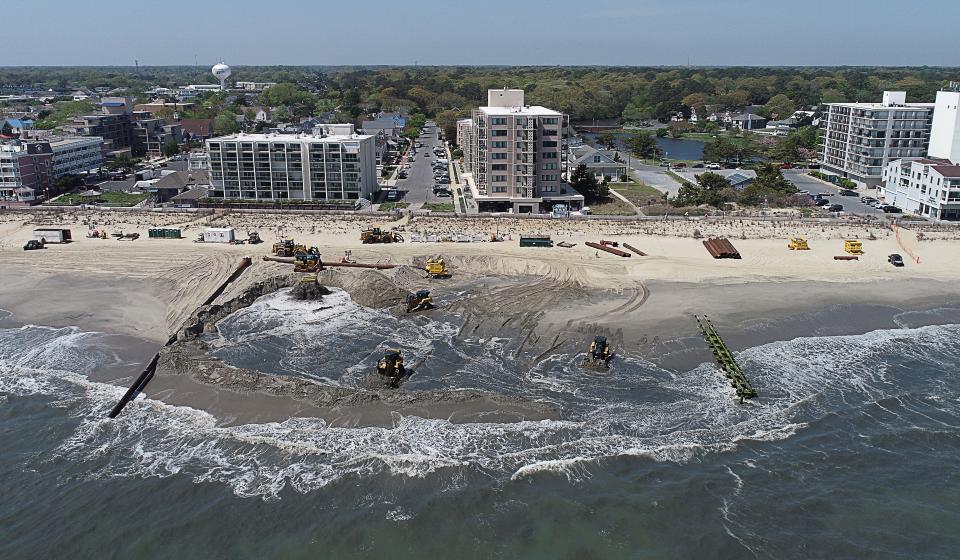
[
  {"x": 678, "y": 128},
  {"x": 778, "y": 107},
  {"x": 606, "y": 140},
  {"x": 662, "y": 133},
  {"x": 170, "y": 148},
  {"x": 225, "y": 123},
  {"x": 643, "y": 145},
  {"x": 719, "y": 150},
  {"x": 586, "y": 184}
]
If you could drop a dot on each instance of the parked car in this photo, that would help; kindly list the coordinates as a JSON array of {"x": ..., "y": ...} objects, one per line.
[
  {"x": 713, "y": 166},
  {"x": 821, "y": 201},
  {"x": 786, "y": 166},
  {"x": 847, "y": 192},
  {"x": 402, "y": 175},
  {"x": 664, "y": 164},
  {"x": 32, "y": 245},
  {"x": 393, "y": 196},
  {"x": 867, "y": 199},
  {"x": 835, "y": 208},
  {"x": 697, "y": 166},
  {"x": 895, "y": 259},
  {"x": 888, "y": 209}
]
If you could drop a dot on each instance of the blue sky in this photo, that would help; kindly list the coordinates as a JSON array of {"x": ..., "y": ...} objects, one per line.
[{"x": 556, "y": 32}]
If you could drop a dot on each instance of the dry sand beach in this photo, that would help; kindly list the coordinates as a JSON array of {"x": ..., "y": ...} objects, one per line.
[{"x": 149, "y": 287}]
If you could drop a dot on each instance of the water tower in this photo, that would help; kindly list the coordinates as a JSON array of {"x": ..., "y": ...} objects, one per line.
[{"x": 221, "y": 72}]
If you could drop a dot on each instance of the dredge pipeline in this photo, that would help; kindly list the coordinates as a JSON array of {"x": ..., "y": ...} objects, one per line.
[
  {"x": 147, "y": 374},
  {"x": 725, "y": 359},
  {"x": 290, "y": 260},
  {"x": 610, "y": 250}
]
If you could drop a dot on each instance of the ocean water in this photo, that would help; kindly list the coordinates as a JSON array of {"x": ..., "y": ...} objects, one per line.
[{"x": 850, "y": 451}]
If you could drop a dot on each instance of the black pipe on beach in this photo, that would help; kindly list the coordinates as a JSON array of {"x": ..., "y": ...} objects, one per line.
[{"x": 151, "y": 368}]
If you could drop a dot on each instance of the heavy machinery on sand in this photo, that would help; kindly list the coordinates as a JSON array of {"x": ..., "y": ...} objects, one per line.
[
  {"x": 419, "y": 301},
  {"x": 598, "y": 355},
  {"x": 287, "y": 248},
  {"x": 391, "y": 367},
  {"x": 377, "y": 235},
  {"x": 307, "y": 260},
  {"x": 798, "y": 244},
  {"x": 437, "y": 268}
]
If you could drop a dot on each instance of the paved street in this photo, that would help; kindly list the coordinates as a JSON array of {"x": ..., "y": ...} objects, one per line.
[{"x": 417, "y": 188}]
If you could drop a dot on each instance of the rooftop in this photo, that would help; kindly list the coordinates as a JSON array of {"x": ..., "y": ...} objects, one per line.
[
  {"x": 303, "y": 138},
  {"x": 527, "y": 110}
]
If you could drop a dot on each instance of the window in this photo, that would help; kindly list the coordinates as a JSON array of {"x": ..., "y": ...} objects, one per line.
[
  {"x": 549, "y": 189},
  {"x": 498, "y": 120},
  {"x": 498, "y": 144},
  {"x": 548, "y": 177},
  {"x": 549, "y": 143},
  {"x": 498, "y": 133},
  {"x": 549, "y": 155},
  {"x": 551, "y": 120},
  {"x": 499, "y": 189},
  {"x": 549, "y": 166},
  {"x": 500, "y": 155},
  {"x": 498, "y": 167},
  {"x": 499, "y": 179}
]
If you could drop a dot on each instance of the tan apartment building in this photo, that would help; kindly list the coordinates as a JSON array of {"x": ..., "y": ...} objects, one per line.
[{"x": 513, "y": 153}]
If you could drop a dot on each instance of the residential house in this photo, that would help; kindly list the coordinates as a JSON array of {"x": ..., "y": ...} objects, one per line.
[
  {"x": 196, "y": 130},
  {"x": 599, "y": 162}
]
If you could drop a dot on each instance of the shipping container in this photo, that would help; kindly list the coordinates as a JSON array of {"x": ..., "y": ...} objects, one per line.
[
  {"x": 53, "y": 235},
  {"x": 218, "y": 235}
]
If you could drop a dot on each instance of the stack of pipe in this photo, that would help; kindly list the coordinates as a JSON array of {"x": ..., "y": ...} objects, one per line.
[{"x": 721, "y": 248}]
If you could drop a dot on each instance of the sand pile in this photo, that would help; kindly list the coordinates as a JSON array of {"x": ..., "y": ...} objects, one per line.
[
  {"x": 367, "y": 287},
  {"x": 308, "y": 291}
]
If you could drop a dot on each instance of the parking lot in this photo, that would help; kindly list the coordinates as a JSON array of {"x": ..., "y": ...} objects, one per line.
[{"x": 851, "y": 204}]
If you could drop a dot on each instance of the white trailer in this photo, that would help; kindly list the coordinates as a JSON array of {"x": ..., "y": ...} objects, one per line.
[
  {"x": 218, "y": 235},
  {"x": 53, "y": 235}
]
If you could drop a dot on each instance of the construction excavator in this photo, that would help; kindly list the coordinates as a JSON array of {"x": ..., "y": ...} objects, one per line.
[
  {"x": 377, "y": 235},
  {"x": 419, "y": 301},
  {"x": 437, "y": 268},
  {"x": 307, "y": 260},
  {"x": 599, "y": 354},
  {"x": 391, "y": 367},
  {"x": 253, "y": 238}
]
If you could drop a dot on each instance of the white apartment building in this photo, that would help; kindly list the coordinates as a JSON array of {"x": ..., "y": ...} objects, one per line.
[
  {"x": 72, "y": 156},
  {"x": 860, "y": 139},
  {"x": 930, "y": 186},
  {"x": 253, "y": 86},
  {"x": 515, "y": 156},
  {"x": 336, "y": 164}
]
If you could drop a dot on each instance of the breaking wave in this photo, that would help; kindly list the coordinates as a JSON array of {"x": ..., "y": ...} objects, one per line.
[{"x": 637, "y": 410}]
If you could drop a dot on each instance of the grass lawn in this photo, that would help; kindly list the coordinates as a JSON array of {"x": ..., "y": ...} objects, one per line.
[
  {"x": 438, "y": 206},
  {"x": 612, "y": 206},
  {"x": 394, "y": 205},
  {"x": 105, "y": 199},
  {"x": 638, "y": 193}
]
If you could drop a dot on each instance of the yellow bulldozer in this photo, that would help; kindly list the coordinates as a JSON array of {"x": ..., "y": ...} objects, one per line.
[
  {"x": 391, "y": 367},
  {"x": 419, "y": 301},
  {"x": 853, "y": 246},
  {"x": 798, "y": 244},
  {"x": 377, "y": 235},
  {"x": 599, "y": 354},
  {"x": 308, "y": 261},
  {"x": 437, "y": 268}
]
